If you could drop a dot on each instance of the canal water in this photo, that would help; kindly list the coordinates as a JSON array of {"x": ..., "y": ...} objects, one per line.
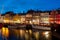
[{"x": 23, "y": 34}]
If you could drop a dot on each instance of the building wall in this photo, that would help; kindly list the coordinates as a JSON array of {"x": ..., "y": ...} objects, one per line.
[
  {"x": 44, "y": 18},
  {"x": 31, "y": 18},
  {"x": 22, "y": 18},
  {"x": 1, "y": 19},
  {"x": 53, "y": 16}
]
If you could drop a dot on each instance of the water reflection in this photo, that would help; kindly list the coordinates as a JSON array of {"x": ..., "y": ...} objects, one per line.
[
  {"x": 16, "y": 34},
  {"x": 5, "y": 32},
  {"x": 36, "y": 34}
]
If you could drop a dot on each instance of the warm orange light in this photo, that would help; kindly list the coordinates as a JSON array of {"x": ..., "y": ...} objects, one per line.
[
  {"x": 36, "y": 34},
  {"x": 30, "y": 31},
  {"x": 22, "y": 32},
  {"x": 58, "y": 22},
  {"x": 35, "y": 21},
  {"x": 6, "y": 21},
  {"x": 5, "y": 32},
  {"x": 46, "y": 34}
]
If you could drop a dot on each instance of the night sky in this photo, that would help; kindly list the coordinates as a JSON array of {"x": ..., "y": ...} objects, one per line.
[{"x": 25, "y": 5}]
